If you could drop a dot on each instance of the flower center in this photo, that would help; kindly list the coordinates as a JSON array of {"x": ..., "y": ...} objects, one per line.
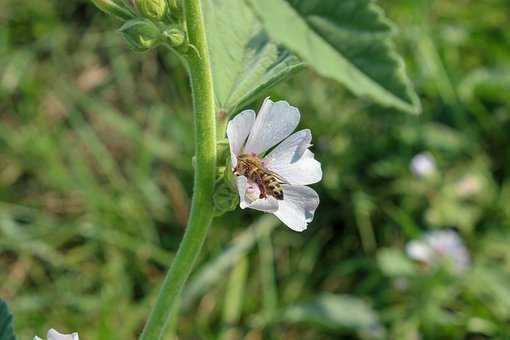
[{"x": 268, "y": 182}]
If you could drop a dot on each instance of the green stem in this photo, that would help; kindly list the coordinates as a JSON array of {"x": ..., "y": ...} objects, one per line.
[{"x": 205, "y": 152}]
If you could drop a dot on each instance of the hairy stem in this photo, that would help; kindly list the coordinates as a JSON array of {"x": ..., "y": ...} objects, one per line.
[{"x": 203, "y": 189}]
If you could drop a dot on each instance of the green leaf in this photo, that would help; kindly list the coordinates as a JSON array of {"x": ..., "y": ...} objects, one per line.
[
  {"x": 394, "y": 263},
  {"x": 244, "y": 60},
  {"x": 491, "y": 286},
  {"x": 336, "y": 312},
  {"x": 6, "y": 332},
  {"x": 347, "y": 40}
]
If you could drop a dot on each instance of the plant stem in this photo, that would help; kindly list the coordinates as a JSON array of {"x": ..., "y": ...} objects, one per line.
[{"x": 203, "y": 189}]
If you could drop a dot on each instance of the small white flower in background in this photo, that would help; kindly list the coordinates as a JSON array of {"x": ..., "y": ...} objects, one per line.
[
  {"x": 440, "y": 245},
  {"x": 423, "y": 165},
  {"x": 54, "y": 335},
  {"x": 274, "y": 182},
  {"x": 468, "y": 186}
]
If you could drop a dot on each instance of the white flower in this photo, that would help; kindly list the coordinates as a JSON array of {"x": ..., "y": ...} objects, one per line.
[
  {"x": 290, "y": 162},
  {"x": 54, "y": 335},
  {"x": 440, "y": 245},
  {"x": 468, "y": 186},
  {"x": 423, "y": 165}
]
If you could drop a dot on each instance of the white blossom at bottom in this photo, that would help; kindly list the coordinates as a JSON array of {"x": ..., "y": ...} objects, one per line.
[{"x": 54, "y": 335}]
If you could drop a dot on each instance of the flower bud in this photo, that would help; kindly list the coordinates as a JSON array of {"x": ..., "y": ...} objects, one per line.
[
  {"x": 175, "y": 37},
  {"x": 141, "y": 34},
  {"x": 112, "y": 7},
  {"x": 225, "y": 198},
  {"x": 152, "y": 9}
]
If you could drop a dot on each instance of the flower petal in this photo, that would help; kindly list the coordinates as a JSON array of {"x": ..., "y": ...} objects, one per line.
[
  {"x": 292, "y": 160},
  {"x": 274, "y": 122},
  {"x": 248, "y": 197},
  {"x": 291, "y": 149},
  {"x": 306, "y": 171},
  {"x": 242, "y": 184},
  {"x": 269, "y": 204},
  {"x": 238, "y": 130},
  {"x": 54, "y": 335},
  {"x": 297, "y": 208}
]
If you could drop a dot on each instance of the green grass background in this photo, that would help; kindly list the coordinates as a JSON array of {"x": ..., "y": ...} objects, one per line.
[{"x": 96, "y": 174}]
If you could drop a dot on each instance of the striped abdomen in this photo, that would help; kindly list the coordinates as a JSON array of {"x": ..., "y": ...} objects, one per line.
[
  {"x": 267, "y": 182},
  {"x": 272, "y": 185}
]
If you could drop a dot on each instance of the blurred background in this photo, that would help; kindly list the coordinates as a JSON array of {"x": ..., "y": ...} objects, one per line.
[{"x": 96, "y": 176}]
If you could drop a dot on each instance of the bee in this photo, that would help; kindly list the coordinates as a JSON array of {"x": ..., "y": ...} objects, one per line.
[{"x": 268, "y": 182}]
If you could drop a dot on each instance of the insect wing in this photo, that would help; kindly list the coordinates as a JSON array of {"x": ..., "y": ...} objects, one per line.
[{"x": 278, "y": 177}]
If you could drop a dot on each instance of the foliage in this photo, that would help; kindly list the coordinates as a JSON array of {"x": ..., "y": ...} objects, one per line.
[
  {"x": 345, "y": 40},
  {"x": 245, "y": 61},
  {"x": 6, "y": 332},
  {"x": 95, "y": 178},
  {"x": 335, "y": 312}
]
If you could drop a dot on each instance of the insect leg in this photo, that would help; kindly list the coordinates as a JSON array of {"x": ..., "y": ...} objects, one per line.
[{"x": 262, "y": 187}]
